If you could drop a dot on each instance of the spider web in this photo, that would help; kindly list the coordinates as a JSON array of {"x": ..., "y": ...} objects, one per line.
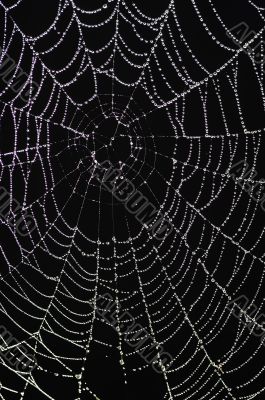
[{"x": 189, "y": 104}]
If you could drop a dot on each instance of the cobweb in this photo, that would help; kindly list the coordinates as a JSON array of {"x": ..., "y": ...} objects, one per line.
[{"x": 171, "y": 85}]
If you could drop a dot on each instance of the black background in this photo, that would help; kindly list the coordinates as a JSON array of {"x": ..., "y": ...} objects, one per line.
[{"x": 103, "y": 373}]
